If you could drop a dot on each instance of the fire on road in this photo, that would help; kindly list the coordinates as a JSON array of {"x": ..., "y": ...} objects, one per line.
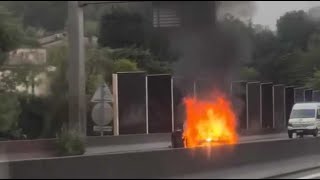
[{"x": 209, "y": 122}]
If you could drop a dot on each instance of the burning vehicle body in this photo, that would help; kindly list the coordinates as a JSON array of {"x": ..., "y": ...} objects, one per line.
[{"x": 207, "y": 123}]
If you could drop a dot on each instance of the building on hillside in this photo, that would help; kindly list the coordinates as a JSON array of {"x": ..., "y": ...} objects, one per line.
[
  {"x": 27, "y": 56},
  {"x": 22, "y": 58}
]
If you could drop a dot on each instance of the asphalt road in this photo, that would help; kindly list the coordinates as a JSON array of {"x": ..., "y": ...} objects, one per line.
[
  {"x": 312, "y": 173},
  {"x": 288, "y": 169},
  {"x": 165, "y": 144}
]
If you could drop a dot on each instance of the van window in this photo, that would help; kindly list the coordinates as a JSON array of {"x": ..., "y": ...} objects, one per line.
[
  {"x": 318, "y": 114},
  {"x": 303, "y": 113}
]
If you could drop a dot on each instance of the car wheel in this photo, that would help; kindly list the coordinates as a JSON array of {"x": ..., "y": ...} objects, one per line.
[
  {"x": 186, "y": 143},
  {"x": 290, "y": 135},
  {"x": 176, "y": 139}
]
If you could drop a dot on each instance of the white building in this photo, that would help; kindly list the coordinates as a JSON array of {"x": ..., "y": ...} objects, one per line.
[{"x": 22, "y": 57}]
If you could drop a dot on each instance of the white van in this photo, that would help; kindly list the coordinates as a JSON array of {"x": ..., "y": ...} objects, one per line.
[{"x": 304, "y": 119}]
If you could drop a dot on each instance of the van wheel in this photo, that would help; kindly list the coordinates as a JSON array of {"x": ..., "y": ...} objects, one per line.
[
  {"x": 301, "y": 135},
  {"x": 316, "y": 133}
]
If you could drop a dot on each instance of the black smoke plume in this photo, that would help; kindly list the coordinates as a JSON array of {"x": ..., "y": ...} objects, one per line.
[{"x": 210, "y": 47}]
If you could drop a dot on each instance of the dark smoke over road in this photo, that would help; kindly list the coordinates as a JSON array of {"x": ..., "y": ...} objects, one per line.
[{"x": 211, "y": 42}]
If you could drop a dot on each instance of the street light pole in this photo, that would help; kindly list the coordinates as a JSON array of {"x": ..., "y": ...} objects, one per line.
[{"x": 76, "y": 69}]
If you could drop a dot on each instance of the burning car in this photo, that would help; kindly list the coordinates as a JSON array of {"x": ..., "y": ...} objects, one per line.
[{"x": 207, "y": 123}]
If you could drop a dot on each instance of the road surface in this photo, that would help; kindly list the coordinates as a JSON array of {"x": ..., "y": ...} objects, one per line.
[
  {"x": 312, "y": 173},
  {"x": 165, "y": 144},
  {"x": 268, "y": 170}
]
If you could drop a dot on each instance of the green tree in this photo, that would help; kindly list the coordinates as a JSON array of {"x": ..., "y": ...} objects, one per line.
[
  {"x": 57, "y": 112},
  {"x": 310, "y": 60},
  {"x": 144, "y": 59},
  {"x": 249, "y": 73},
  {"x": 159, "y": 44},
  {"x": 124, "y": 65},
  {"x": 285, "y": 57},
  {"x": 8, "y": 82},
  {"x": 50, "y": 15},
  {"x": 98, "y": 64},
  {"x": 265, "y": 44},
  {"x": 309, "y": 64},
  {"x": 10, "y": 33},
  {"x": 95, "y": 12},
  {"x": 33, "y": 115},
  {"x": 294, "y": 29},
  {"x": 93, "y": 81},
  {"x": 91, "y": 28},
  {"x": 266, "y": 52},
  {"x": 9, "y": 112},
  {"x": 120, "y": 28},
  {"x": 291, "y": 69},
  {"x": 235, "y": 44},
  {"x": 20, "y": 76},
  {"x": 30, "y": 38},
  {"x": 314, "y": 41},
  {"x": 314, "y": 82}
]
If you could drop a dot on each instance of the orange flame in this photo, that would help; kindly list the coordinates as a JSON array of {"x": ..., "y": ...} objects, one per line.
[{"x": 209, "y": 123}]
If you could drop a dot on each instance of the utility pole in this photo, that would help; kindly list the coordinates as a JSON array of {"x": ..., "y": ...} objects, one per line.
[
  {"x": 76, "y": 65},
  {"x": 76, "y": 69}
]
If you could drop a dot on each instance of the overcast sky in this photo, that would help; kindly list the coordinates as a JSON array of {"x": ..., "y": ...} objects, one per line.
[{"x": 268, "y": 12}]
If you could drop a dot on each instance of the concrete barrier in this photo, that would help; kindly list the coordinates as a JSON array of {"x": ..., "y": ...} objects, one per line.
[
  {"x": 45, "y": 147},
  {"x": 4, "y": 171},
  {"x": 127, "y": 139},
  {"x": 164, "y": 163},
  {"x": 261, "y": 131},
  {"x": 11, "y": 150},
  {"x": 25, "y": 146}
]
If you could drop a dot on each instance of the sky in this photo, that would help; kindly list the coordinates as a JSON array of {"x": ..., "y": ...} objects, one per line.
[{"x": 268, "y": 12}]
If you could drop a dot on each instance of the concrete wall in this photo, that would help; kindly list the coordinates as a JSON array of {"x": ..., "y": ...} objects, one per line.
[
  {"x": 128, "y": 139},
  {"x": 46, "y": 146},
  {"x": 165, "y": 163},
  {"x": 27, "y": 146}
]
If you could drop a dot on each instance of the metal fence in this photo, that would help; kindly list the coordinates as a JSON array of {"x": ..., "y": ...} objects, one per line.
[{"x": 155, "y": 103}]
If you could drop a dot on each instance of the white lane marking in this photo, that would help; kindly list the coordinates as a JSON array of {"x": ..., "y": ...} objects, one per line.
[{"x": 311, "y": 176}]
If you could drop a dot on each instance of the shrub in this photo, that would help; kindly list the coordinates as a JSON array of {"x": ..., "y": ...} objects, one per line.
[{"x": 70, "y": 143}]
